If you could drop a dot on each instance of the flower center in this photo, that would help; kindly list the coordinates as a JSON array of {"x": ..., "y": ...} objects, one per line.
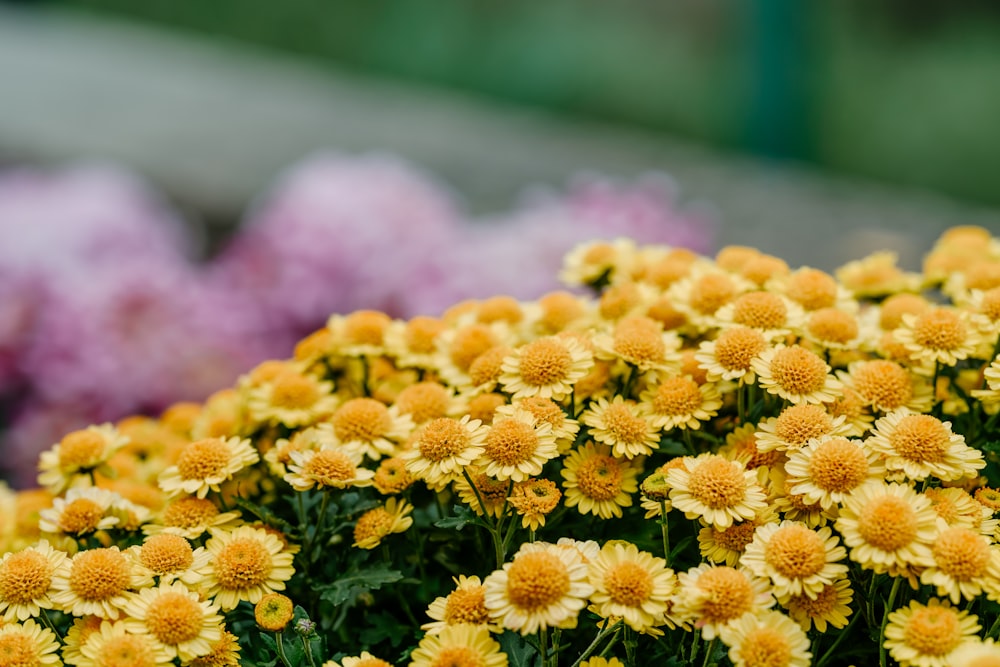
[
  {"x": 735, "y": 348},
  {"x": 832, "y": 325},
  {"x": 717, "y": 483},
  {"x": 373, "y": 524},
  {"x": 765, "y": 647},
  {"x": 511, "y": 442},
  {"x": 798, "y": 424},
  {"x": 666, "y": 313},
  {"x": 933, "y": 631},
  {"x": 365, "y": 327},
  {"x": 822, "y": 604},
  {"x": 25, "y": 577},
  {"x": 423, "y": 401},
  {"x": 638, "y": 339},
  {"x": 544, "y": 361},
  {"x": 466, "y": 605},
  {"x": 618, "y": 300},
  {"x": 243, "y": 563},
  {"x": 558, "y": 310},
  {"x": 483, "y": 406},
  {"x": 737, "y": 536},
  {"x": 469, "y": 343},
  {"x": 489, "y": 365},
  {"x": 885, "y": 384},
  {"x": 625, "y": 426},
  {"x": 127, "y": 651},
  {"x": 537, "y": 580},
  {"x": 812, "y": 288},
  {"x": 798, "y": 371},
  {"x": 80, "y": 516},
  {"x": 920, "y": 438},
  {"x": 362, "y": 419},
  {"x": 677, "y": 396},
  {"x": 838, "y": 465},
  {"x": 421, "y": 332},
  {"x": 294, "y": 392},
  {"x": 600, "y": 477},
  {"x": 939, "y": 329},
  {"x": 81, "y": 449},
  {"x": 897, "y": 305},
  {"x": 760, "y": 310},
  {"x": 329, "y": 465},
  {"x": 544, "y": 410},
  {"x": 19, "y": 650},
  {"x": 796, "y": 552},
  {"x": 990, "y": 306},
  {"x": 203, "y": 459},
  {"x": 628, "y": 584},
  {"x": 458, "y": 656},
  {"x": 166, "y": 553},
  {"x": 887, "y": 523},
  {"x": 190, "y": 512},
  {"x": 99, "y": 574},
  {"x": 961, "y": 553},
  {"x": 711, "y": 292},
  {"x": 174, "y": 618},
  {"x": 728, "y": 594},
  {"x": 500, "y": 309}
]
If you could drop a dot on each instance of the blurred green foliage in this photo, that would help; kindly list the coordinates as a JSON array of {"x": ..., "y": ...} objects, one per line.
[{"x": 907, "y": 92}]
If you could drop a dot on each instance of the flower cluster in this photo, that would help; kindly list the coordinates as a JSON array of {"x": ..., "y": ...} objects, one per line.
[
  {"x": 715, "y": 461},
  {"x": 103, "y": 312}
]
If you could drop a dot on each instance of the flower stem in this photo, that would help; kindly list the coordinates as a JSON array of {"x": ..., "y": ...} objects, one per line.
[
  {"x": 663, "y": 531},
  {"x": 597, "y": 640},
  {"x": 281, "y": 649},
  {"x": 885, "y": 620},
  {"x": 709, "y": 651}
]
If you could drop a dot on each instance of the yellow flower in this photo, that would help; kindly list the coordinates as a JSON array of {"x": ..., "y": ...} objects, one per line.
[
  {"x": 170, "y": 557},
  {"x": 225, "y": 653},
  {"x": 833, "y": 329},
  {"x": 727, "y": 545},
  {"x": 273, "y": 612},
  {"x": 544, "y": 586},
  {"x": 26, "y": 579},
  {"x": 392, "y": 477},
  {"x": 716, "y": 490},
  {"x": 796, "y": 375},
  {"x": 770, "y": 639},
  {"x": 926, "y": 635},
  {"x": 877, "y": 275},
  {"x": 366, "y": 659},
  {"x": 595, "y": 262},
  {"x": 424, "y": 401},
  {"x": 361, "y": 333},
  {"x": 485, "y": 495},
  {"x": 773, "y": 315},
  {"x": 115, "y": 643},
  {"x": 367, "y": 425},
  {"x": 602, "y": 662},
  {"x": 939, "y": 335},
  {"x": 827, "y": 469},
  {"x": 326, "y": 468},
  {"x": 797, "y": 425},
  {"x": 712, "y": 597},
  {"x": 921, "y": 446},
  {"x": 443, "y": 447},
  {"x": 966, "y": 564},
  {"x": 465, "y": 604},
  {"x": 204, "y": 465},
  {"x": 632, "y": 585},
  {"x": 888, "y": 527},
  {"x": 176, "y": 618},
  {"x": 599, "y": 483},
  {"x": 517, "y": 447},
  {"x": 375, "y": 525},
  {"x": 547, "y": 411},
  {"x": 84, "y": 510},
  {"x": 533, "y": 499},
  {"x": 291, "y": 398},
  {"x": 28, "y": 643},
  {"x": 191, "y": 517},
  {"x": 797, "y": 560},
  {"x": 830, "y": 606},
  {"x": 976, "y": 654},
  {"x": 96, "y": 582},
  {"x": 547, "y": 367},
  {"x": 459, "y": 646},
  {"x": 886, "y": 386},
  {"x": 729, "y": 356},
  {"x": 77, "y": 456},
  {"x": 248, "y": 563},
  {"x": 640, "y": 342},
  {"x": 623, "y": 425},
  {"x": 680, "y": 402},
  {"x": 413, "y": 343}
]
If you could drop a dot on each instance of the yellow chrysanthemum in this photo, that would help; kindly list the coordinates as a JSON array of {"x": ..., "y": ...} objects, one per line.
[
  {"x": 830, "y": 606},
  {"x": 828, "y": 468},
  {"x": 797, "y": 559},
  {"x": 640, "y": 342},
  {"x": 414, "y": 343},
  {"x": 205, "y": 464},
  {"x": 191, "y": 517},
  {"x": 966, "y": 565},
  {"x": 939, "y": 335},
  {"x": 369, "y": 426},
  {"x": 533, "y": 500},
  {"x": 920, "y": 635},
  {"x": 921, "y": 446},
  {"x": 327, "y": 468},
  {"x": 632, "y": 585},
  {"x": 96, "y": 582},
  {"x": 28, "y": 643},
  {"x": 376, "y": 524},
  {"x": 716, "y": 490},
  {"x": 517, "y": 447},
  {"x": 976, "y": 654},
  {"x": 465, "y": 604},
  {"x": 543, "y": 586},
  {"x": 598, "y": 483},
  {"x": 773, "y": 315},
  {"x": 485, "y": 495},
  {"x": 170, "y": 557},
  {"x": 885, "y": 386},
  {"x": 113, "y": 644},
  {"x": 459, "y": 646},
  {"x": 366, "y": 659},
  {"x": 546, "y": 367},
  {"x": 292, "y": 399},
  {"x": 545, "y": 410},
  {"x": 84, "y": 510},
  {"x": 26, "y": 579},
  {"x": 680, "y": 402},
  {"x": 247, "y": 564},
  {"x": 714, "y": 596},
  {"x": 726, "y": 546},
  {"x": 770, "y": 639},
  {"x": 443, "y": 447},
  {"x": 796, "y": 375},
  {"x": 176, "y": 618},
  {"x": 77, "y": 456},
  {"x": 225, "y": 653},
  {"x": 359, "y": 334},
  {"x": 623, "y": 425},
  {"x": 797, "y": 425},
  {"x": 730, "y": 355}
]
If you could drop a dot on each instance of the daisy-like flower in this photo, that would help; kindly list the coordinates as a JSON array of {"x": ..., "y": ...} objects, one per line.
[
  {"x": 191, "y": 517},
  {"x": 547, "y": 411},
  {"x": 546, "y": 367},
  {"x": 225, "y": 653},
  {"x": 28, "y": 643},
  {"x": 640, "y": 342},
  {"x": 26, "y": 580},
  {"x": 327, "y": 468},
  {"x": 939, "y": 335},
  {"x": 459, "y": 645},
  {"x": 729, "y": 356},
  {"x": 292, "y": 399},
  {"x": 204, "y": 465},
  {"x": 176, "y": 618},
  {"x": 812, "y": 289},
  {"x": 771, "y": 314},
  {"x": 716, "y": 490},
  {"x": 796, "y": 375},
  {"x": 797, "y": 560},
  {"x": 459, "y": 348},
  {"x": 84, "y": 510},
  {"x": 770, "y": 639},
  {"x": 632, "y": 585},
  {"x": 557, "y": 311},
  {"x": 827, "y": 469},
  {"x": 465, "y": 604},
  {"x": 392, "y": 477},
  {"x": 703, "y": 293},
  {"x": 279, "y": 456},
  {"x": 741, "y": 445},
  {"x": 376, "y": 524},
  {"x": 77, "y": 456},
  {"x": 424, "y": 401},
  {"x": 543, "y": 586},
  {"x": 966, "y": 564},
  {"x": 595, "y": 262},
  {"x": 517, "y": 447},
  {"x": 922, "y": 446},
  {"x": 598, "y": 483},
  {"x": 680, "y": 402},
  {"x": 714, "y": 596},
  {"x": 533, "y": 500},
  {"x": 171, "y": 558},
  {"x": 623, "y": 425},
  {"x": 976, "y": 654},
  {"x": 833, "y": 329},
  {"x": 413, "y": 344},
  {"x": 97, "y": 581},
  {"x": 797, "y": 425},
  {"x": 443, "y": 447},
  {"x": 888, "y": 527},
  {"x": 727, "y": 546},
  {"x": 958, "y": 509},
  {"x": 886, "y": 386},
  {"x": 877, "y": 275},
  {"x": 922, "y": 635},
  {"x": 76, "y": 636},
  {"x": 359, "y": 334},
  {"x": 485, "y": 371},
  {"x": 851, "y": 407},
  {"x": 371, "y": 427},
  {"x": 830, "y": 606},
  {"x": 247, "y": 564},
  {"x": 114, "y": 640}
]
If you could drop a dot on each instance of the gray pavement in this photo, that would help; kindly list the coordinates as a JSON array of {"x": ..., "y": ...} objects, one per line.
[{"x": 211, "y": 123}]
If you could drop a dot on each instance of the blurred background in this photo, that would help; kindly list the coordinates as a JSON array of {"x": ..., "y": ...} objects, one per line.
[{"x": 191, "y": 186}]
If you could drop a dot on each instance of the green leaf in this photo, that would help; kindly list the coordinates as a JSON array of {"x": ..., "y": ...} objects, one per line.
[
  {"x": 349, "y": 586},
  {"x": 519, "y": 652},
  {"x": 381, "y": 627},
  {"x": 463, "y": 516},
  {"x": 672, "y": 447}
]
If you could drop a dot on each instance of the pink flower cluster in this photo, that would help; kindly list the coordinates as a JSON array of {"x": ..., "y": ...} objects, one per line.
[{"x": 104, "y": 312}]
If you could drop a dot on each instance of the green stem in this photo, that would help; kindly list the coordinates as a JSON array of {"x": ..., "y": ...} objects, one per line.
[
  {"x": 308, "y": 650},
  {"x": 556, "y": 637},
  {"x": 319, "y": 526},
  {"x": 281, "y": 649},
  {"x": 741, "y": 402},
  {"x": 843, "y": 633},
  {"x": 688, "y": 443},
  {"x": 663, "y": 531},
  {"x": 597, "y": 640},
  {"x": 885, "y": 620},
  {"x": 709, "y": 651},
  {"x": 543, "y": 645},
  {"x": 994, "y": 627},
  {"x": 630, "y": 645},
  {"x": 51, "y": 626}
]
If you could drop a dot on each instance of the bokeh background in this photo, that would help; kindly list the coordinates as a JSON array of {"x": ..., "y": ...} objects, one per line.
[{"x": 187, "y": 187}]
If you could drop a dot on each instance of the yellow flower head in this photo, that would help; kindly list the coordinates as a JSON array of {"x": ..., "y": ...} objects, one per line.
[{"x": 598, "y": 483}]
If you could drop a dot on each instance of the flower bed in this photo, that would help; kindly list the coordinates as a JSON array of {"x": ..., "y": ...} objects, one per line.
[{"x": 710, "y": 462}]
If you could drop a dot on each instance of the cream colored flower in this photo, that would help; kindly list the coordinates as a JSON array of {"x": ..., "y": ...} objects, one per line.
[
  {"x": 204, "y": 465},
  {"x": 546, "y": 367},
  {"x": 632, "y": 585},
  {"x": 75, "y": 458},
  {"x": 922, "y": 446},
  {"x": 247, "y": 564},
  {"x": 926, "y": 635},
  {"x": 796, "y": 375},
  {"x": 797, "y": 559},
  {"x": 770, "y": 638},
  {"x": 716, "y": 490}
]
